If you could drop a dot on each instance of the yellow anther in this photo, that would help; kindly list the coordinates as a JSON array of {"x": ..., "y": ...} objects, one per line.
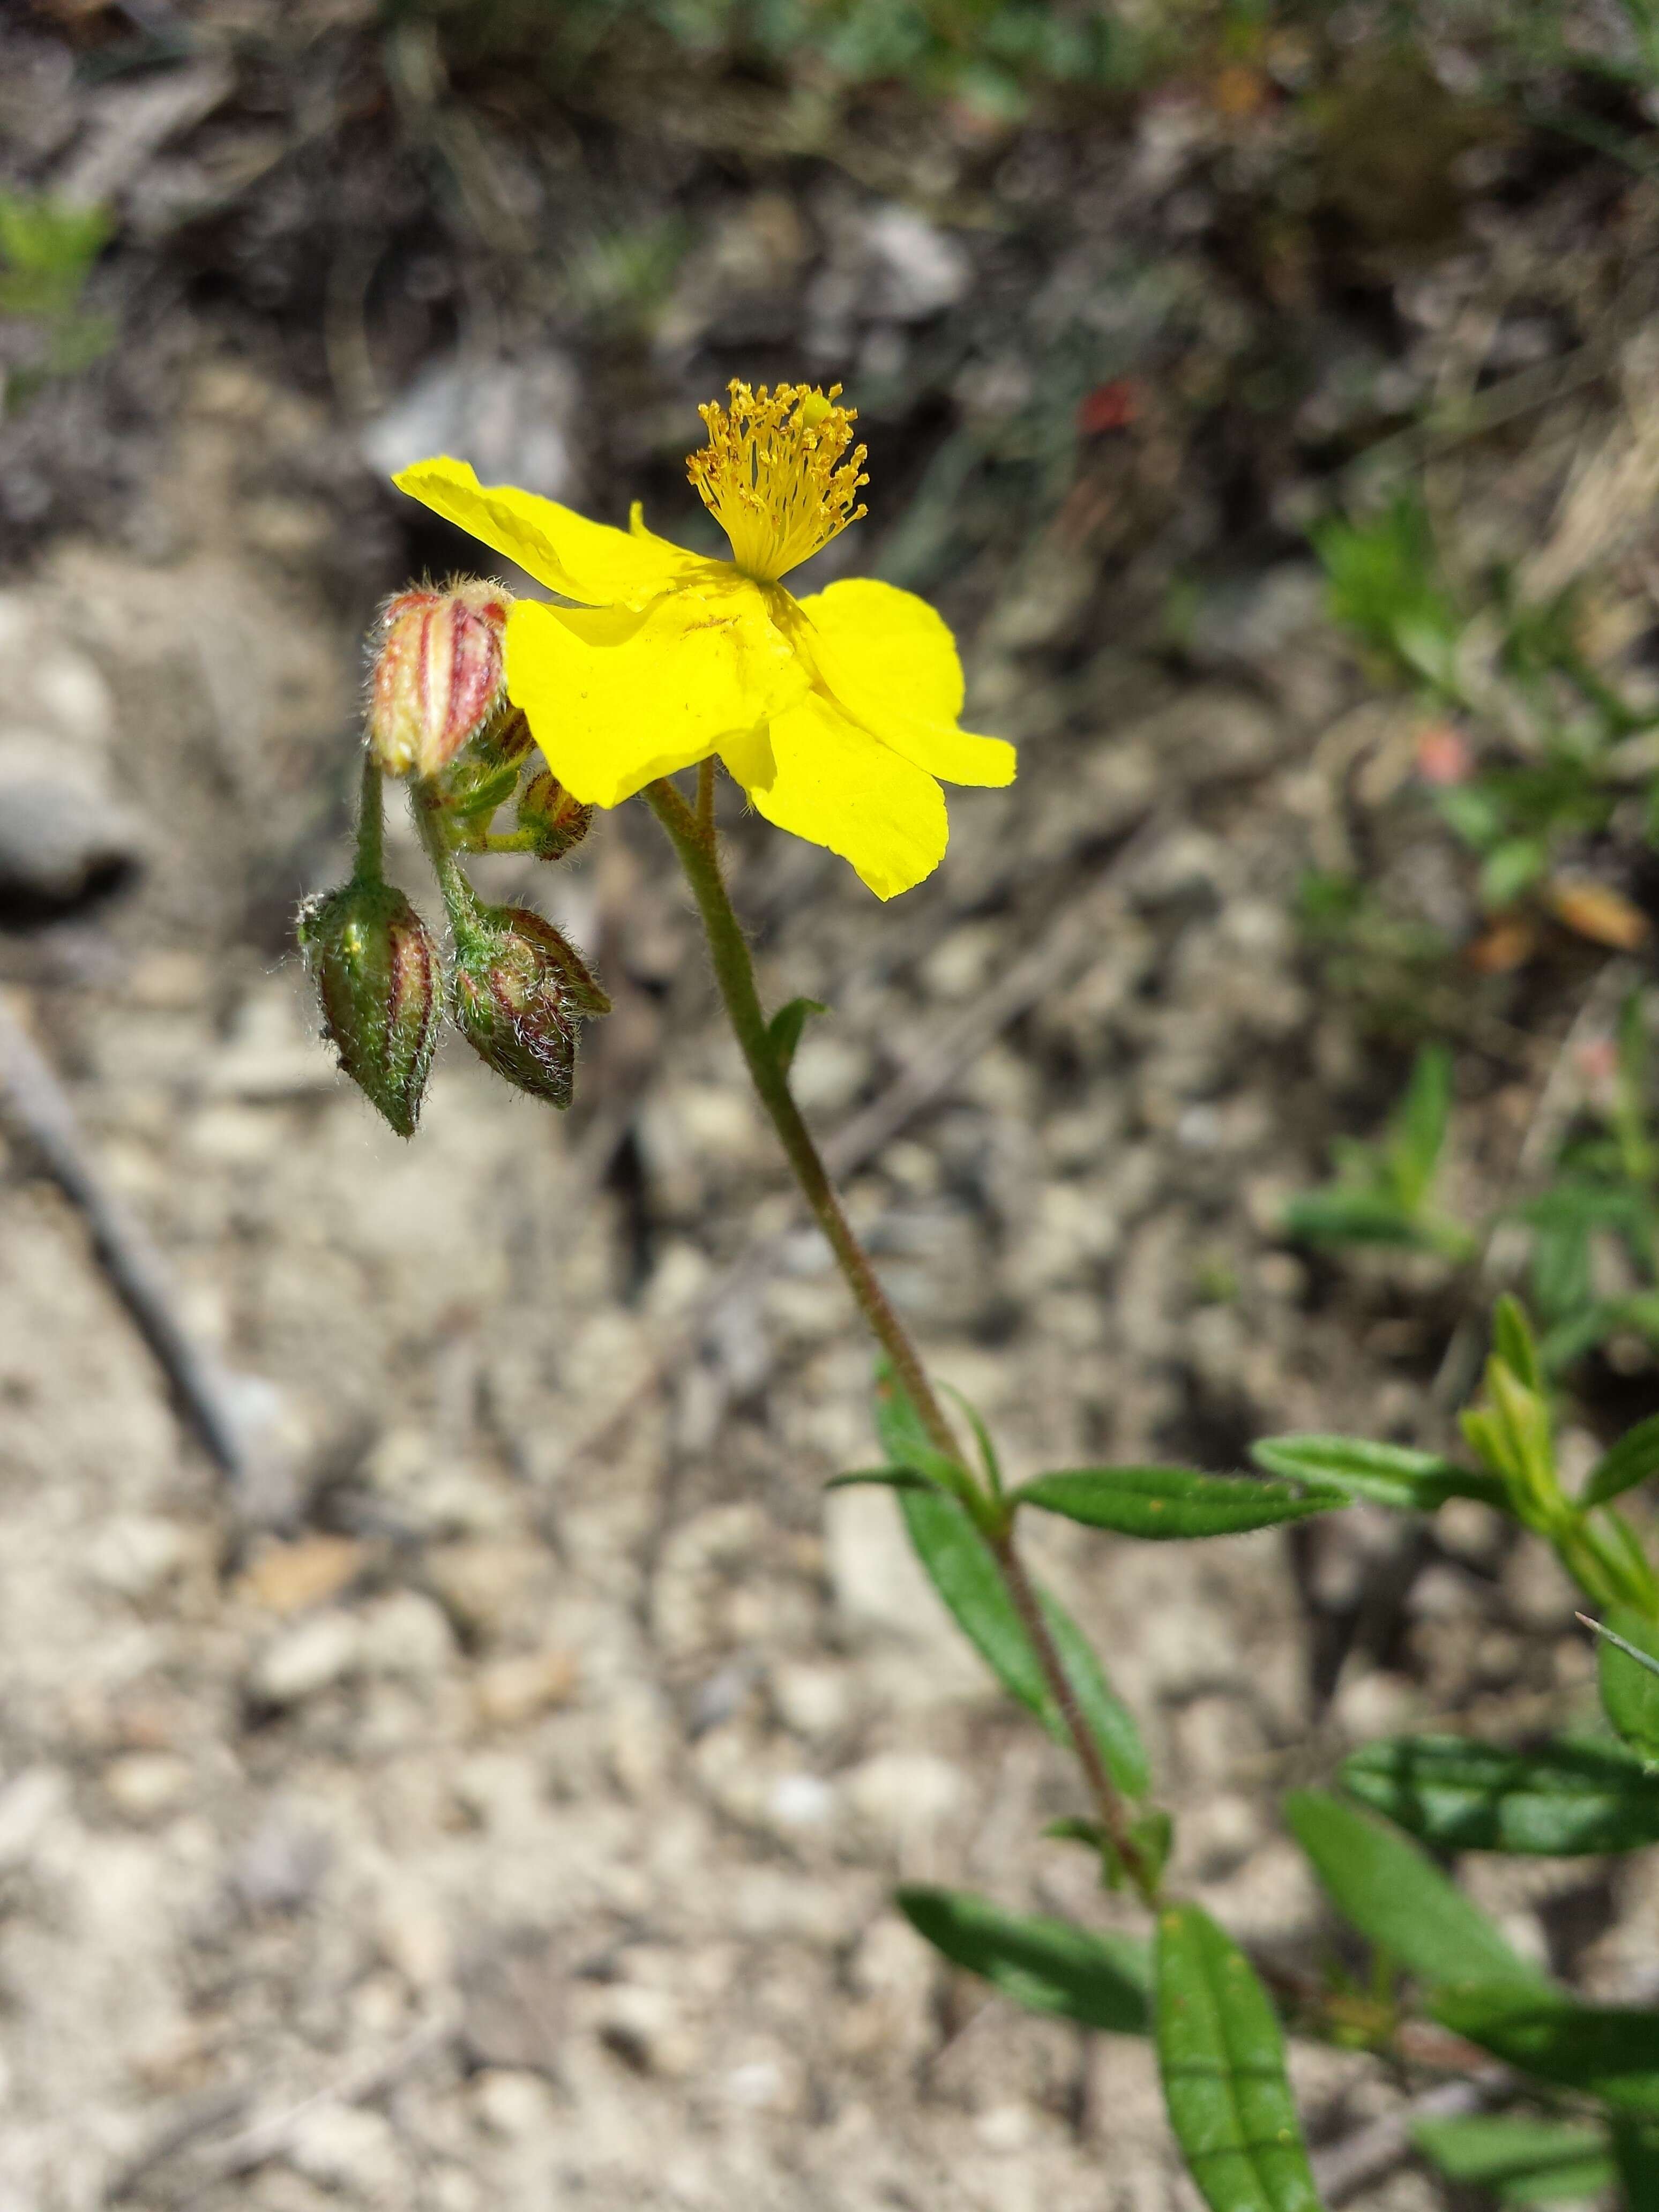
[{"x": 772, "y": 474}]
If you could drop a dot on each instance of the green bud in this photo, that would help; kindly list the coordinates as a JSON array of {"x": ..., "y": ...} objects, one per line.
[
  {"x": 518, "y": 990},
  {"x": 549, "y": 815},
  {"x": 380, "y": 984},
  {"x": 485, "y": 772}
]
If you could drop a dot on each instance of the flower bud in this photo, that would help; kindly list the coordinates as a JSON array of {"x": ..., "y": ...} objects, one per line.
[
  {"x": 438, "y": 675},
  {"x": 518, "y": 990},
  {"x": 380, "y": 984},
  {"x": 550, "y": 817}
]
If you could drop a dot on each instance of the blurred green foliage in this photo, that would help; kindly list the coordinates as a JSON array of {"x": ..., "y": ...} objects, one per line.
[
  {"x": 1513, "y": 672},
  {"x": 47, "y": 253}
]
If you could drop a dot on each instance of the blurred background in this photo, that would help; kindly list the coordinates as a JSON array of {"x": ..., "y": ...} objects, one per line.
[{"x": 450, "y": 1755}]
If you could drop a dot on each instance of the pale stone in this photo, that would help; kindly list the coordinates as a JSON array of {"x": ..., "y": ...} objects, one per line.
[
  {"x": 306, "y": 1659},
  {"x": 144, "y": 1785}
]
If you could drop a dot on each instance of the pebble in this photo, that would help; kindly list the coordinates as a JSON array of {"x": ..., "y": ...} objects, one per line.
[
  {"x": 307, "y": 1658},
  {"x": 482, "y": 1582},
  {"x": 408, "y": 1634},
  {"x": 647, "y": 2028},
  {"x": 290, "y": 1577},
  {"x": 135, "y": 1553},
  {"x": 28, "y": 1803},
  {"x": 511, "y": 2103},
  {"x": 145, "y": 1784},
  {"x": 511, "y": 1691},
  {"x": 905, "y": 1794},
  {"x": 64, "y": 838},
  {"x": 344, "y": 2147}
]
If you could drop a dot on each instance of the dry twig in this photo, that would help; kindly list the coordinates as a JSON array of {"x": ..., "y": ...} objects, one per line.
[{"x": 35, "y": 1102}]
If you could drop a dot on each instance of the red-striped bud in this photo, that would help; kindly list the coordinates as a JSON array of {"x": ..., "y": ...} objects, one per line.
[
  {"x": 380, "y": 984},
  {"x": 551, "y": 817},
  {"x": 438, "y": 675},
  {"x": 518, "y": 990}
]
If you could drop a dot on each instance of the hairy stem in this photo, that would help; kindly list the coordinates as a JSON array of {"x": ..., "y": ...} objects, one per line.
[
  {"x": 1113, "y": 1813},
  {"x": 734, "y": 972},
  {"x": 371, "y": 822},
  {"x": 692, "y": 834}
]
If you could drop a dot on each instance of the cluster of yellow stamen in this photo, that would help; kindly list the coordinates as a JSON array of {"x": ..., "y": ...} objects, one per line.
[{"x": 772, "y": 476}]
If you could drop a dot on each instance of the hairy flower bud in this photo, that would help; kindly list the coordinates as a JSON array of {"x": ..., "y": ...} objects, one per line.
[
  {"x": 551, "y": 817},
  {"x": 379, "y": 978},
  {"x": 518, "y": 990},
  {"x": 438, "y": 675}
]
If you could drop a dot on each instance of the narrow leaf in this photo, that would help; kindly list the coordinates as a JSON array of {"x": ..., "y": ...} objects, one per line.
[
  {"x": 1631, "y": 1460},
  {"x": 1605, "y": 2050},
  {"x": 1341, "y": 1214},
  {"x": 1567, "y": 1798},
  {"x": 1526, "y": 2161},
  {"x": 1513, "y": 1342},
  {"x": 786, "y": 1026},
  {"x": 1222, "y": 2059},
  {"x": 887, "y": 1478},
  {"x": 1628, "y": 1664},
  {"x": 1421, "y": 1123},
  {"x": 1636, "y": 2152},
  {"x": 1110, "y": 1719},
  {"x": 1393, "y": 1892},
  {"x": 961, "y": 1567},
  {"x": 1388, "y": 1474},
  {"x": 1167, "y": 1502},
  {"x": 1046, "y": 1966},
  {"x": 905, "y": 1439}
]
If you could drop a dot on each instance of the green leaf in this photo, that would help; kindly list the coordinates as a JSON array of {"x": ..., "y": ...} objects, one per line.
[
  {"x": 886, "y": 1478},
  {"x": 960, "y": 1566},
  {"x": 1393, "y": 1892},
  {"x": 1421, "y": 1125},
  {"x": 1631, "y": 1460},
  {"x": 1046, "y": 1966},
  {"x": 1222, "y": 2059},
  {"x": 1343, "y": 1214},
  {"x": 1605, "y": 2050},
  {"x": 1167, "y": 1502},
  {"x": 786, "y": 1025},
  {"x": 1513, "y": 1341},
  {"x": 905, "y": 1439},
  {"x": 1628, "y": 1662},
  {"x": 990, "y": 1466},
  {"x": 1510, "y": 868},
  {"x": 1388, "y": 1474},
  {"x": 1567, "y": 1798},
  {"x": 1526, "y": 2161},
  {"x": 1636, "y": 2151},
  {"x": 1109, "y": 1720},
  {"x": 1575, "y": 2181}
]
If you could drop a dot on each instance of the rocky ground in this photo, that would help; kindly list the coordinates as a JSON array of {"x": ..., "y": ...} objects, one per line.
[{"x": 513, "y": 1822}]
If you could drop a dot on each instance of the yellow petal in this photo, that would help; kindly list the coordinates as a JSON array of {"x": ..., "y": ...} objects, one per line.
[
  {"x": 833, "y": 784},
  {"x": 891, "y": 663},
  {"x": 582, "y": 559},
  {"x": 616, "y": 697}
]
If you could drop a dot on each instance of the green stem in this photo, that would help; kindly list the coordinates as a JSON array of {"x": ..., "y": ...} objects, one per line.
[
  {"x": 734, "y": 972},
  {"x": 459, "y": 903},
  {"x": 692, "y": 834},
  {"x": 371, "y": 822}
]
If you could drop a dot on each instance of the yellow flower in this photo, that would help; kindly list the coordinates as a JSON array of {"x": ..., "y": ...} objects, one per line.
[{"x": 836, "y": 713}]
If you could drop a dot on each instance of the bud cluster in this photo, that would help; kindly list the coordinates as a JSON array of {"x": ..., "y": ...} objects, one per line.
[{"x": 438, "y": 715}]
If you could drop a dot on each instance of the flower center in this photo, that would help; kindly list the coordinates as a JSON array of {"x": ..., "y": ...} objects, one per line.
[{"x": 772, "y": 476}]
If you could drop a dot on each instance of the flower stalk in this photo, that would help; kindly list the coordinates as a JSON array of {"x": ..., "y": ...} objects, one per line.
[{"x": 691, "y": 832}]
